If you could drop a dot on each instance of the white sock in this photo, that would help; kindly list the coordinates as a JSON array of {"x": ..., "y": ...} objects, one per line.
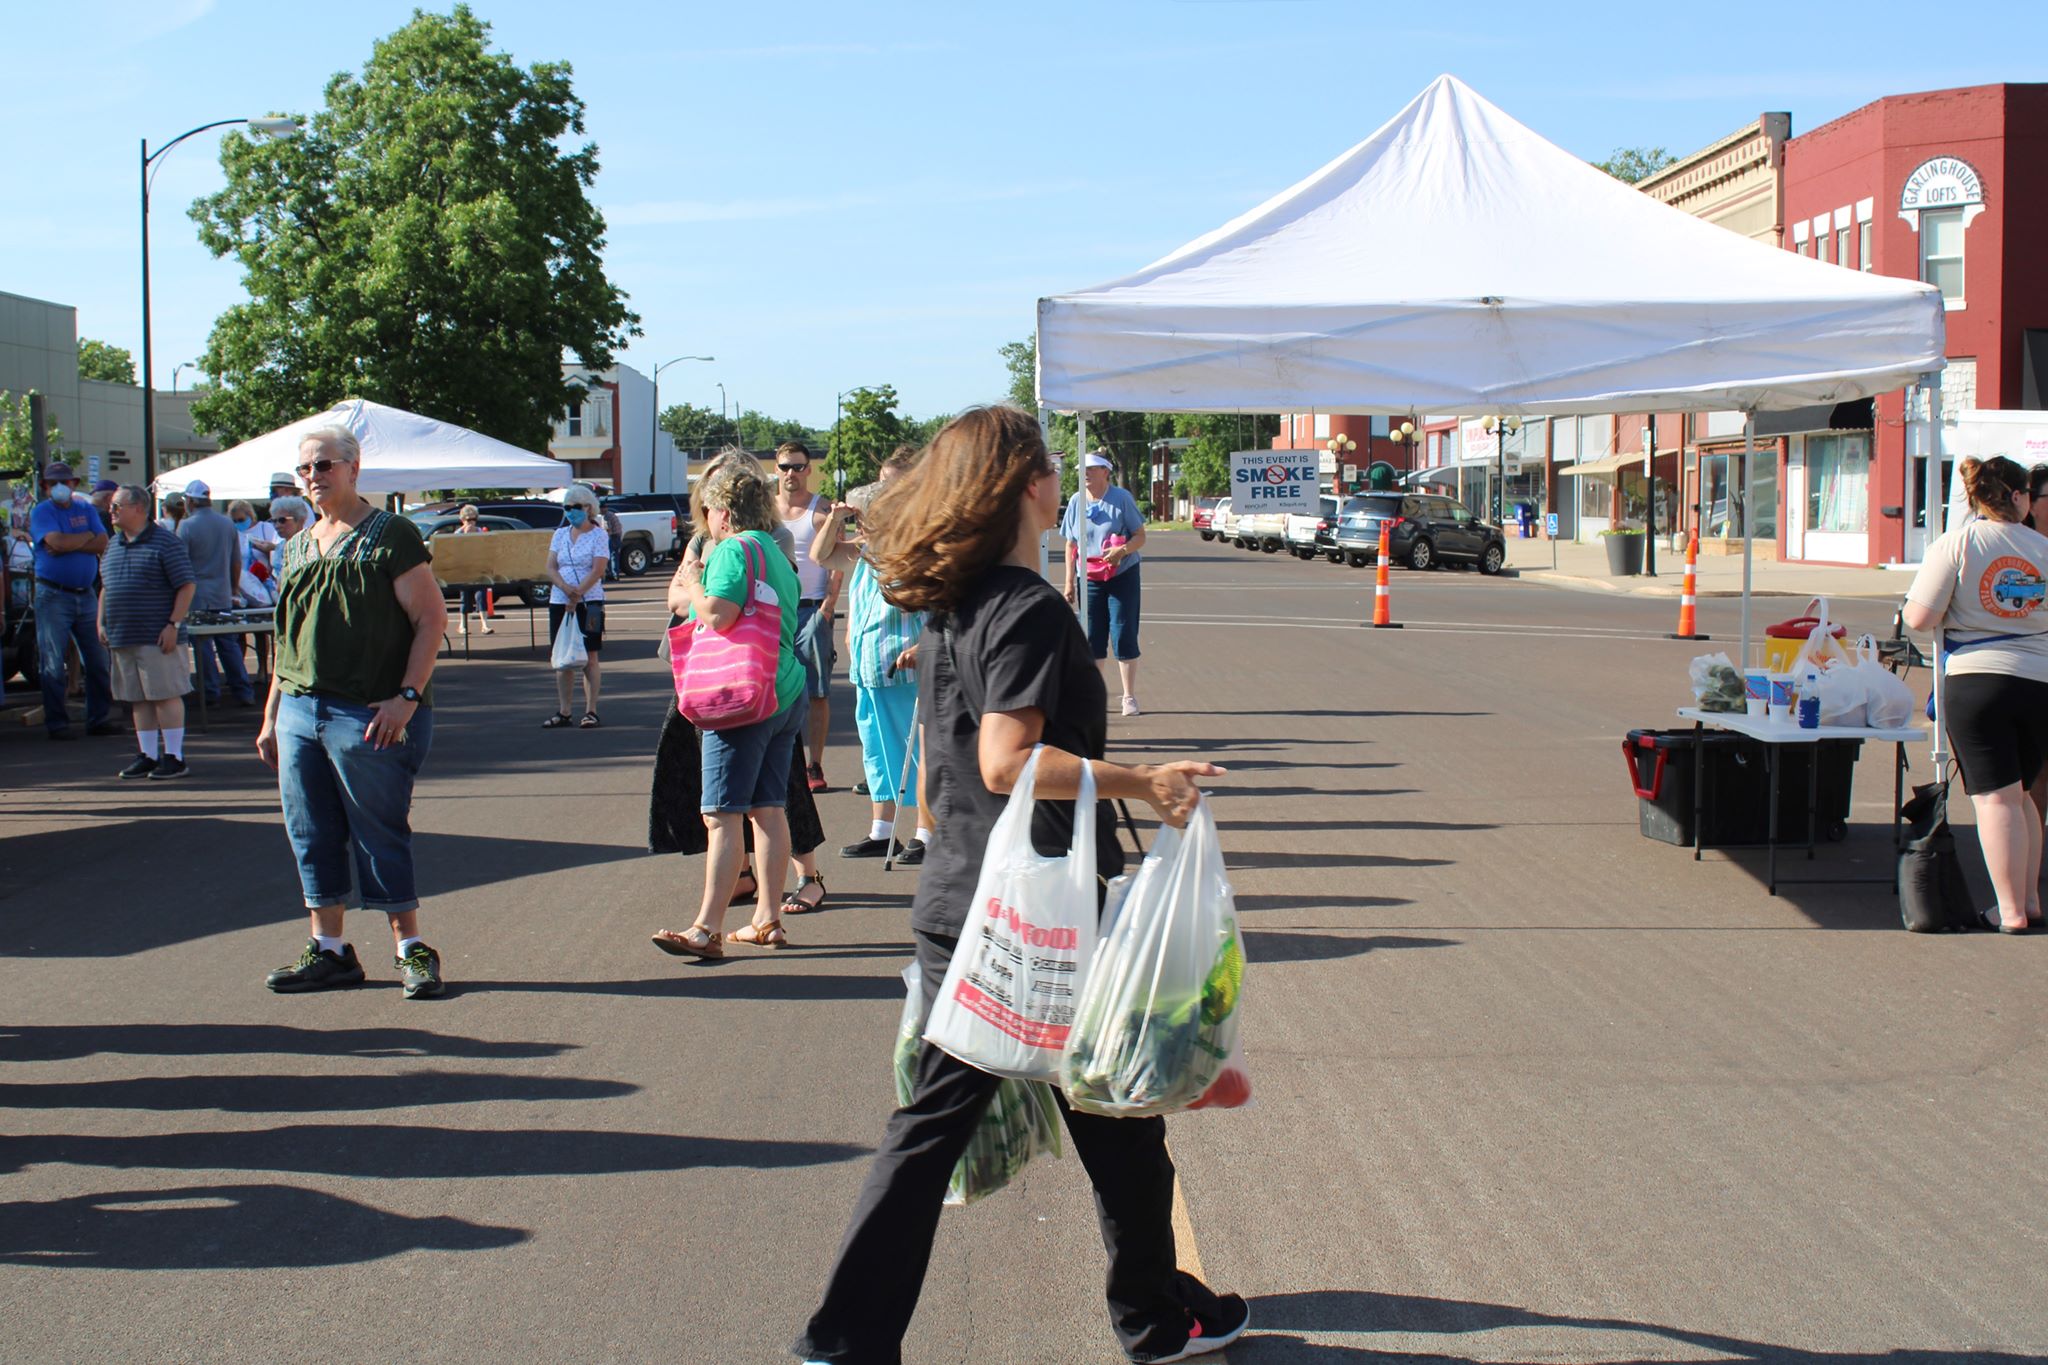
[
  {"x": 880, "y": 829},
  {"x": 924, "y": 836},
  {"x": 330, "y": 945},
  {"x": 147, "y": 740},
  {"x": 405, "y": 945},
  {"x": 174, "y": 742}
]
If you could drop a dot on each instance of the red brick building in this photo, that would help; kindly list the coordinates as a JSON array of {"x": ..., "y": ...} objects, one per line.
[{"x": 1950, "y": 187}]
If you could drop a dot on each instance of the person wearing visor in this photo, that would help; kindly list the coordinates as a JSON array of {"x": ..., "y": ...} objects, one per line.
[
  {"x": 69, "y": 539},
  {"x": 1115, "y": 533},
  {"x": 577, "y": 557}
]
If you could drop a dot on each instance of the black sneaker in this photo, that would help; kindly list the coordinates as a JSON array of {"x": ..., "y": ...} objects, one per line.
[
  {"x": 860, "y": 789},
  {"x": 1209, "y": 1333},
  {"x": 866, "y": 848},
  {"x": 143, "y": 766},
  {"x": 421, "y": 971},
  {"x": 167, "y": 767},
  {"x": 912, "y": 854},
  {"x": 317, "y": 970}
]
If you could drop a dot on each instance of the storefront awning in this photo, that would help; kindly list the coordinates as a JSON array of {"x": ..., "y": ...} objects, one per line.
[
  {"x": 1856, "y": 415},
  {"x": 1597, "y": 468}
]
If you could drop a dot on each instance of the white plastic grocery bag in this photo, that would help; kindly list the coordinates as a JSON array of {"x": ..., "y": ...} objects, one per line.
[
  {"x": 1020, "y": 1123},
  {"x": 1008, "y": 998},
  {"x": 569, "y": 650},
  {"x": 1157, "y": 1026}
]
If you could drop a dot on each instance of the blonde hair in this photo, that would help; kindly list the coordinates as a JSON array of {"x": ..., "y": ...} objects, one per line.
[
  {"x": 466, "y": 512},
  {"x": 239, "y": 508},
  {"x": 936, "y": 529},
  {"x": 741, "y": 490},
  {"x": 581, "y": 495}
]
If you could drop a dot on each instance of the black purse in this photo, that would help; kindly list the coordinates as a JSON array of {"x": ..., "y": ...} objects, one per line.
[{"x": 1933, "y": 897}]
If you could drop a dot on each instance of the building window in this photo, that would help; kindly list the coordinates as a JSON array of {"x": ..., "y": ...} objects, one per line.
[
  {"x": 1863, "y": 245},
  {"x": 1381, "y": 426},
  {"x": 1941, "y": 253},
  {"x": 574, "y": 426},
  {"x": 1841, "y": 246},
  {"x": 1820, "y": 246},
  {"x": 1838, "y": 482}
]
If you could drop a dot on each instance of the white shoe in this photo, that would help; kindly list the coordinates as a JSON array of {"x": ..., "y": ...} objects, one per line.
[{"x": 1131, "y": 706}]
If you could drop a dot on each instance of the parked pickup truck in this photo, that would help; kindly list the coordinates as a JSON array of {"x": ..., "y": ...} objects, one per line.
[{"x": 655, "y": 526}]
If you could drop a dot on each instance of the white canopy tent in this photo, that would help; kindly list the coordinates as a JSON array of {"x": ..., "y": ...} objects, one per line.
[
  {"x": 1455, "y": 262},
  {"x": 403, "y": 452}
]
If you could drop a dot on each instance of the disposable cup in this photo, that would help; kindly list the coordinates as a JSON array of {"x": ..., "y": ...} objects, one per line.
[
  {"x": 1756, "y": 684},
  {"x": 1758, "y": 706}
]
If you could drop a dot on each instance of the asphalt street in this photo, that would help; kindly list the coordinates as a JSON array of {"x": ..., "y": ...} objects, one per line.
[{"x": 1529, "y": 1087}]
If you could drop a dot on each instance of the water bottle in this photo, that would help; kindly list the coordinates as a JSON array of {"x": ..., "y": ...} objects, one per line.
[{"x": 1809, "y": 700}]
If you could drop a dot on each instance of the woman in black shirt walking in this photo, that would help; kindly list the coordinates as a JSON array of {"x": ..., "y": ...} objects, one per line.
[{"x": 1005, "y": 668}]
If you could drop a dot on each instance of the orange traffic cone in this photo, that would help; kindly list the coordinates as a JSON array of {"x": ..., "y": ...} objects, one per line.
[
  {"x": 1688, "y": 596},
  {"x": 490, "y": 603},
  {"x": 1382, "y": 600}
]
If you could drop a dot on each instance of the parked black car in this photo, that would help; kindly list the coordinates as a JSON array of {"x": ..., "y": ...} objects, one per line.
[{"x": 1426, "y": 529}]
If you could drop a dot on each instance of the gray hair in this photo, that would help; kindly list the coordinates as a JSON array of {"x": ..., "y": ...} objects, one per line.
[
  {"x": 577, "y": 494},
  {"x": 339, "y": 440},
  {"x": 133, "y": 493},
  {"x": 292, "y": 506}
]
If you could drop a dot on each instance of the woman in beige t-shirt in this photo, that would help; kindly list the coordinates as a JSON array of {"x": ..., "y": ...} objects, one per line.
[{"x": 1982, "y": 588}]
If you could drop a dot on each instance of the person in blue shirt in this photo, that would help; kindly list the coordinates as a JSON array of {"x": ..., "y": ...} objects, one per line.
[
  {"x": 69, "y": 538},
  {"x": 1116, "y": 533}
]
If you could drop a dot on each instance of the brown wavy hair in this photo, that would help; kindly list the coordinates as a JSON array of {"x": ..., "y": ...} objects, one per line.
[
  {"x": 738, "y": 486},
  {"x": 934, "y": 531},
  {"x": 1989, "y": 485}
]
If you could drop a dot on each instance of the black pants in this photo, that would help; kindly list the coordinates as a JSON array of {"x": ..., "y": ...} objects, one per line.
[{"x": 875, "y": 1283}]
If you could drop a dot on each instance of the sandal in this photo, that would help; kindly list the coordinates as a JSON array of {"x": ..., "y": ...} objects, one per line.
[
  {"x": 692, "y": 942},
  {"x": 767, "y": 935},
  {"x": 795, "y": 904},
  {"x": 589, "y": 721},
  {"x": 556, "y": 721},
  {"x": 745, "y": 888}
]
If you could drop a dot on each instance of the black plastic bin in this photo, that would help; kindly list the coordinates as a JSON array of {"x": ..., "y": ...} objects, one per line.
[{"x": 1735, "y": 795}]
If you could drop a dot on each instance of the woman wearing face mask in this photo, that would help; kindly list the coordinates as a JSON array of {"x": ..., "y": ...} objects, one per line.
[{"x": 577, "y": 557}]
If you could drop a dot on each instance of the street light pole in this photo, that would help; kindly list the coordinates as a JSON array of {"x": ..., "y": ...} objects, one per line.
[
  {"x": 1501, "y": 427},
  {"x": 654, "y": 430},
  {"x": 272, "y": 128}
]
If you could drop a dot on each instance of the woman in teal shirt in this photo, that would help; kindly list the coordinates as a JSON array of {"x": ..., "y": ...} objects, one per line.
[{"x": 746, "y": 770}]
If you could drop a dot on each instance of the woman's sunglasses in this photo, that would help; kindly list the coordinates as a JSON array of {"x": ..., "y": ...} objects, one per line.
[{"x": 318, "y": 467}]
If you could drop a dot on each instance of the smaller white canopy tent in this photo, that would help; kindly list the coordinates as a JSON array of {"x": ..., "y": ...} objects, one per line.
[{"x": 403, "y": 452}]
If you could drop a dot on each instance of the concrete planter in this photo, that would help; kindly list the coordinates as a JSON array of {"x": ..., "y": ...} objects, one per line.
[{"x": 1624, "y": 554}]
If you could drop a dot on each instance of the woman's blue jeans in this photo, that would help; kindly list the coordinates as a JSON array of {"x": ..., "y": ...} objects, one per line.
[{"x": 348, "y": 806}]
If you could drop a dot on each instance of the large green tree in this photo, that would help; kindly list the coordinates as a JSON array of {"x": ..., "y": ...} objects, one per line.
[
  {"x": 868, "y": 428},
  {"x": 427, "y": 242},
  {"x": 695, "y": 428},
  {"x": 1634, "y": 164},
  {"x": 103, "y": 360}
]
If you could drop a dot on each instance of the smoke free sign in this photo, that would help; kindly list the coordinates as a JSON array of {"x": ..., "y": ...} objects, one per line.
[{"x": 1265, "y": 481}]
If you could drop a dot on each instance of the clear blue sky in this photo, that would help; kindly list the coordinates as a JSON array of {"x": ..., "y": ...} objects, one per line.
[{"x": 828, "y": 195}]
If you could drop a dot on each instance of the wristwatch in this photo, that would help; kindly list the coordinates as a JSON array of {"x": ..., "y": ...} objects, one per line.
[{"x": 411, "y": 694}]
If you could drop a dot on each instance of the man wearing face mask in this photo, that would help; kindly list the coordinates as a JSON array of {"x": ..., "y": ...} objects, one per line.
[{"x": 69, "y": 538}]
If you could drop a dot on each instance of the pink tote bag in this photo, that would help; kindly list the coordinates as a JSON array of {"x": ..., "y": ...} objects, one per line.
[{"x": 726, "y": 680}]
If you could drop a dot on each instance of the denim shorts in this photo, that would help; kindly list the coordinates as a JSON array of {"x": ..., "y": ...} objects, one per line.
[
  {"x": 748, "y": 768},
  {"x": 814, "y": 648},
  {"x": 1113, "y": 616},
  {"x": 348, "y": 806}
]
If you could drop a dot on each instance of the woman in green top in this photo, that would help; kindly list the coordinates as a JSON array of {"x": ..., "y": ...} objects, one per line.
[
  {"x": 359, "y": 620},
  {"x": 745, "y": 770}
]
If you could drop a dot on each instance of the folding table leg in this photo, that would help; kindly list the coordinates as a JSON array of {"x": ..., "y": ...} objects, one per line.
[
  {"x": 1771, "y": 829},
  {"x": 1699, "y": 785},
  {"x": 1812, "y": 798}
]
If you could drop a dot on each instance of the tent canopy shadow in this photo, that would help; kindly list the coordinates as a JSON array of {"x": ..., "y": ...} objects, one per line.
[{"x": 225, "y": 1227}]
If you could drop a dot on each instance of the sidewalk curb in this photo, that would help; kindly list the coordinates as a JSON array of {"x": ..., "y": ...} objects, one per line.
[{"x": 1674, "y": 589}]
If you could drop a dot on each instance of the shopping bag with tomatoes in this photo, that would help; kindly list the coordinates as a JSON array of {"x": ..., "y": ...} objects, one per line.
[{"x": 1156, "y": 1029}]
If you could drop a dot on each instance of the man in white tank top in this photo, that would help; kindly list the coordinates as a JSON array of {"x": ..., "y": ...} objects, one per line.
[{"x": 814, "y": 525}]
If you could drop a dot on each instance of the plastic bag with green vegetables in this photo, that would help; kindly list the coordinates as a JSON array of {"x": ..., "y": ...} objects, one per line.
[
  {"x": 1021, "y": 1122},
  {"x": 1717, "y": 683},
  {"x": 1156, "y": 1029}
]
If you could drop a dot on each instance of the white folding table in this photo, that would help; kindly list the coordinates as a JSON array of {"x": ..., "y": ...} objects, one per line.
[{"x": 1774, "y": 735}]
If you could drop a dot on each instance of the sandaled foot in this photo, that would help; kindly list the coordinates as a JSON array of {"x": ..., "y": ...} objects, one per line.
[
  {"x": 798, "y": 902},
  {"x": 556, "y": 721},
  {"x": 589, "y": 721},
  {"x": 691, "y": 942},
  {"x": 745, "y": 889},
  {"x": 767, "y": 935}
]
